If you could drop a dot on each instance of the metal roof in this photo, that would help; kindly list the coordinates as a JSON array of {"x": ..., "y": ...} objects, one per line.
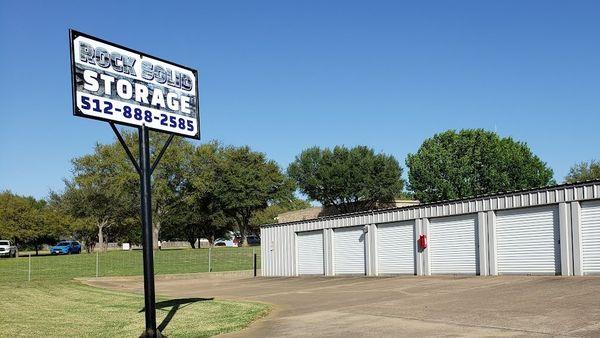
[{"x": 466, "y": 199}]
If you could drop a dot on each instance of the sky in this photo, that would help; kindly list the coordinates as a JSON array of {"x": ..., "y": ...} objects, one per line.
[{"x": 281, "y": 76}]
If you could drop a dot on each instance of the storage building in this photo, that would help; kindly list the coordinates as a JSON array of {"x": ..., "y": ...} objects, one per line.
[{"x": 553, "y": 230}]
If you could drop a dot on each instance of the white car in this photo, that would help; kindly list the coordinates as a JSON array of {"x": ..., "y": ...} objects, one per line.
[
  {"x": 7, "y": 249},
  {"x": 225, "y": 242}
]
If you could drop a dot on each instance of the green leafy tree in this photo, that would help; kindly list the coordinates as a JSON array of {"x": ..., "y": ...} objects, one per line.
[
  {"x": 197, "y": 212},
  {"x": 30, "y": 222},
  {"x": 168, "y": 181},
  {"x": 81, "y": 229},
  {"x": 105, "y": 188},
  {"x": 584, "y": 171},
  {"x": 246, "y": 182},
  {"x": 102, "y": 189},
  {"x": 16, "y": 213},
  {"x": 85, "y": 230},
  {"x": 472, "y": 162},
  {"x": 348, "y": 179}
]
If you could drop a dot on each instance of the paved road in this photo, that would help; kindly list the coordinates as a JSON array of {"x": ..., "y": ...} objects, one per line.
[{"x": 402, "y": 306}]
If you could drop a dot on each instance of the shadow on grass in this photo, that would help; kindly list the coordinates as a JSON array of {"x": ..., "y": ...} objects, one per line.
[{"x": 175, "y": 305}]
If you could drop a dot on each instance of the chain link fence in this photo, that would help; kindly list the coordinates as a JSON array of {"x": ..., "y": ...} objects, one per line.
[{"x": 127, "y": 263}]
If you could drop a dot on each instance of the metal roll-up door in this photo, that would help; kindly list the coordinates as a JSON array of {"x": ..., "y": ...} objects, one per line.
[
  {"x": 396, "y": 248},
  {"x": 527, "y": 241},
  {"x": 310, "y": 253},
  {"x": 453, "y": 245},
  {"x": 349, "y": 251},
  {"x": 590, "y": 237}
]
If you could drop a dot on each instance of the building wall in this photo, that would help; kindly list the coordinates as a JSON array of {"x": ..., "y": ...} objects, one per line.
[{"x": 279, "y": 240}]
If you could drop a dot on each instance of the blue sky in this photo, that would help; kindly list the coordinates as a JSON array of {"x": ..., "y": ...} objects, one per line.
[{"x": 281, "y": 76}]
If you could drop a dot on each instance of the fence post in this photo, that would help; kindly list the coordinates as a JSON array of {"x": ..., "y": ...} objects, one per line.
[
  {"x": 29, "y": 270},
  {"x": 97, "y": 261},
  {"x": 254, "y": 261},
  {"x": 209, "y": 259}
]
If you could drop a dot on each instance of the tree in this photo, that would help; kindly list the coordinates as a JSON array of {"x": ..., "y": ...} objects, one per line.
[
  {"x": 168, "y": 181},
  {"x": 102, "y": 188},
  {"x": 245, "y": 183},
  {"x": 348, "y": 179},
  {"x": 473, "y": 162},
  {"x": 16, "y": 213},
  {"x": 202, "y": 215},
  {"x": 584, "y": 171},
  {"x": 105, "y": 188},
  {"x": 28, "y": 221},
  {"x": 85, "y": 230}
]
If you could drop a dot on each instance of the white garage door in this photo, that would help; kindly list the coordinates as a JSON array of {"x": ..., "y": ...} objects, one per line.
[
  {"x": 349, "y": 251},
  {"x": 528, "y": 241},
  {"x": 453, "y": 245},
  {"x": 396, "y": 248},
  {"x": 310, "y": 253},
  {"x": 590, "y": 237}
]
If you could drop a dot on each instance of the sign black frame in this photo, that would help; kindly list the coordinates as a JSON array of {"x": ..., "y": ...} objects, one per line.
[{"x": 73, "y": 34}]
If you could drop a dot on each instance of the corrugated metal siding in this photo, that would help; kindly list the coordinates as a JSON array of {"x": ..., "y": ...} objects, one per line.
[
  {"x": 310, "y": 253},
  {"x": 349, "y": 251},
  {"x": 278, "y": 249},
  {"x": 396, "y": 248},
  {"x": 281, "y": 261},
  {"x": 453, "y": 245},
  {"x": 590, "y": 237},
  {"x": 528, "y": 241}
]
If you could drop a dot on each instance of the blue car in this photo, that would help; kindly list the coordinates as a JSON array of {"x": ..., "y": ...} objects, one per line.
[{"x": 66, "y": 248}]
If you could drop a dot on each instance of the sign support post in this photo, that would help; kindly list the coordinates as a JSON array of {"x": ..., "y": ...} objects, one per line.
[
  {"x": 146, "y": 207},
  {"x": 144, "y": 169}
]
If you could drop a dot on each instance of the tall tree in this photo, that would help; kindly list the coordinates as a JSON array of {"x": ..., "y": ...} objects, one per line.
[
  {"x": 105, "y": 187},
  {"x": 347, "y": 179},
  {"x": 102, "y": 188},
  {"x": 584, "y": 171},
  {"x": 16, "y": 213},
  {"x": 168, "y": 181},
  {"x": 85, "y": 230},
  {"x": 30, "y": 222},
  {"x": 472, "y": 162},
  {"x": 245, "y": 183},
  {"x": 198, "y": 213}
]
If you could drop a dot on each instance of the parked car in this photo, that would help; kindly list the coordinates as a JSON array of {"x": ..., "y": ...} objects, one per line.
[
  {"x": 66, "y": 248},
  {"x": 235, "y": 242},
  {"x": 7, "y": 249},
  {"x": 251, "y": 240},
  {"x": 225, "y": 242}
]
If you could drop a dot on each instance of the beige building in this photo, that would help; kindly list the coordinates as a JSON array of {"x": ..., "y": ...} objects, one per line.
[{"x": 316, "y": 212}]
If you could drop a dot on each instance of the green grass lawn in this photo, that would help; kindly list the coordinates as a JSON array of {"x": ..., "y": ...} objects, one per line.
[
  {"x": 125, "y": 263},
  {"x": 69, "y": 309}
]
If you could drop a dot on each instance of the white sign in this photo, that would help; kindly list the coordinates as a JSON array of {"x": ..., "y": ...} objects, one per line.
[{"x": 115, "y": 83}]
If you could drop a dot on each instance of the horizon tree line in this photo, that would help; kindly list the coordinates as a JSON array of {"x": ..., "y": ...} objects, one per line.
[{"x": 210, "y": 190}]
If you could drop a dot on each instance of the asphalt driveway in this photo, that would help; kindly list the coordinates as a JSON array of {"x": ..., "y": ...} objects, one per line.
[{"x": 401, "y": 306}]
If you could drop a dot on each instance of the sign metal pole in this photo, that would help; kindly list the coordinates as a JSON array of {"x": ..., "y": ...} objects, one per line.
[
  {"x": 145, "y": 169},
  {"x": 146, "y": 204}
]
